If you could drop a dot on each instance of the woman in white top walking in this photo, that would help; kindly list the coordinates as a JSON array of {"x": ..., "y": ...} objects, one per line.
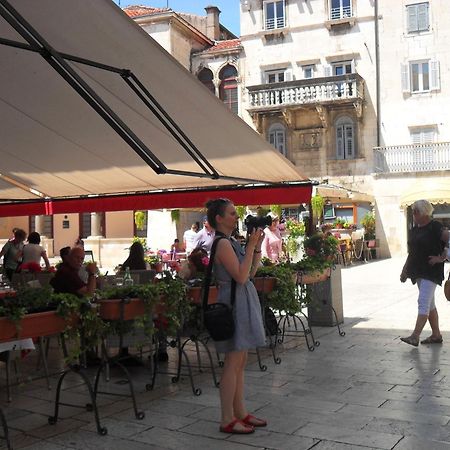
[{"x": 33, "y": 251}]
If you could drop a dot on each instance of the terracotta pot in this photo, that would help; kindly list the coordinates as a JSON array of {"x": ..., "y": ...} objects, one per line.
[
  {"x": 195, "y": 295},
  {"x": 34, "y": 325},
  {"x": 264, "y": 284},
  {"x": 313, "y": 277},
  {"x": 158, "y": 267},
  {"x": 109, "y": 309}
]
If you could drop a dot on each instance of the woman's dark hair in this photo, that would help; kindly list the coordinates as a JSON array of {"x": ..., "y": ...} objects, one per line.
[
  {"x": 216, "y": 207},
  {"x": 135, "y": 260},
  {"x": 196, "y": 259},
  {"x": 63, "y": 252},
  {"x": 34, "y": 238}
]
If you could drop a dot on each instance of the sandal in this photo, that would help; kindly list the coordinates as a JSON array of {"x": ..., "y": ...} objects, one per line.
[
  {"x": 254, "y": 421},
  {"x": 410, "y": 340},
  {"x": 432, "y": 340},
  {"x": 231, "y": 430}
]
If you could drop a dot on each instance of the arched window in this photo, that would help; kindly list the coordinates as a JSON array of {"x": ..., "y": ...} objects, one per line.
[
  {"x": 206, "y": 77},
  {"x": 345, "y": 138},
  {"x": 277, "y": 137},
  {"x": 228, "y": 87}
]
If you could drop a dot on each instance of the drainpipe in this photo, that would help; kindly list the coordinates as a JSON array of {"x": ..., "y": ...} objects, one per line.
[{"x": 377, "y": 74}]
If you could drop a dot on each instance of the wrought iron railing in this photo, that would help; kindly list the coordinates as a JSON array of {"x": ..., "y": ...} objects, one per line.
[
  {"x": 341, "y": 12},
  {"x": 274, "y": 23},
  {"x": 412, "y": 158},
  {"x": 315, "y": 90}
]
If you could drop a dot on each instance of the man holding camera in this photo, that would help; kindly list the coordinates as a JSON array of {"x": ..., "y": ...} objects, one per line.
[{"x": 205, "y": 237}]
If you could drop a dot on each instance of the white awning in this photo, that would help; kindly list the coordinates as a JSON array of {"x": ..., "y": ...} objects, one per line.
[
  {"x": 435, "y": 191},
  {"x": 53, "y": 141}
]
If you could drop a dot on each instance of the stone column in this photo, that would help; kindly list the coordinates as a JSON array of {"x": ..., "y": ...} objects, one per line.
[
  {"x": 95, "y": 225},
  {"x": 39, "y": 224}
]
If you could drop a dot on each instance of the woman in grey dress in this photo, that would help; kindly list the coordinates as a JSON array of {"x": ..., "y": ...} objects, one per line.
[{"x": 231, "y": 262}]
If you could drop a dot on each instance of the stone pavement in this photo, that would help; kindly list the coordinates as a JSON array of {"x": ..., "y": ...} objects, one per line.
[{"x": 364, "y": 390}]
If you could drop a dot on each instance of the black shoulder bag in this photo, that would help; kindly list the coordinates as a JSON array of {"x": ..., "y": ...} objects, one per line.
[{"x": 218, "y": 317}]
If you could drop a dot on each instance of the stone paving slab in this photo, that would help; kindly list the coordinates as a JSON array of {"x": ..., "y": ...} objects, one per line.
[{"x": 366, "y": 390}]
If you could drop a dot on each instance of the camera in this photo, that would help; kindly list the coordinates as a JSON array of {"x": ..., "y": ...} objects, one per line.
[{"x": 252, "y": 222}]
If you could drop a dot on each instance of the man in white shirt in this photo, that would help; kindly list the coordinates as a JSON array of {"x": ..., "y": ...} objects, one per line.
[
  {"x": 189, "y": 238},
  {"x": 205, "y": 237}
]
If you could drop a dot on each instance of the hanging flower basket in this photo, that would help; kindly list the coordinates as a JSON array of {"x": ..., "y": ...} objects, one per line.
[
  {"x": 109, "y": 309},
  {"x": 34, "y": 325},
  {"x": 264, "y": 284},
  {"x": 313, "y": 277},
  {"x": 195, "y": 296}
]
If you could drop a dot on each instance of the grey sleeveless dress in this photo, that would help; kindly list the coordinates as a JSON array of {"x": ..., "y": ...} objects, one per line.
[{"x": 249, "y": 326}]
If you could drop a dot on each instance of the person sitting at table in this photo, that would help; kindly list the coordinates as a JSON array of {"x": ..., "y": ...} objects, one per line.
[
  {"x": 33, "y": 251},
  {"x": 67, "y": 279},
  {"x": 135, "y": 260},
  {"x": 12, "y": 253}
]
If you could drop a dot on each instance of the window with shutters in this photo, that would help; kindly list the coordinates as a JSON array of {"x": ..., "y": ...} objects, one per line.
[
  {"x": 47, "y": 226},
  {"x": 345, "y": 138},
  {"x": 274, "y": 15},
  {"x": 277, "y": 137},
  {"x": 340, "y": 9},
  {"x": 420, "y": 76},
  {"x": 423, "y": 155},
  {"x": 418, "y": 17},
  {"x": 229, "y": 87},
  {"x": 308, "y": 71}
]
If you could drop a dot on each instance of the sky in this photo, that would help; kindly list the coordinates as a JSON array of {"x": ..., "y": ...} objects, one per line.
[{"x": 229, "y": 16}]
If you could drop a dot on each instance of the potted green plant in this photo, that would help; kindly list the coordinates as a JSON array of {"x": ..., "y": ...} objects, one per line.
[
  {"x": 368, "y": 222},
  {"x": 317, "y": 203},
  {"x": 296, "y": 229},
  {"x": 339, "y": 223}
]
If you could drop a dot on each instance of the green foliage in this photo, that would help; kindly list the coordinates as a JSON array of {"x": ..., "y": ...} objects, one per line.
[
  {"x": 139, "y": 219},
  {"x": 317, "y": 203},
  {"x": 296, "y": 229},
  {"x": 339, "y": 223},
  {"x": 177, "y": 307},
  {"x": 240, "y": 211},
  {"x": 276, "y": 209},
  {"x": 175, "y": 215},
  {"x": 368, "y": 222},
  {"x": 284, "y": 297}
]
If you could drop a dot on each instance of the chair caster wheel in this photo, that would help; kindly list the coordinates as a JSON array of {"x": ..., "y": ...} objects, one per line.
[
  {"x": 103, "y": 431},
  {"x": 52, "y": 420},
  {"x": 197, "y": 392},
  {"x": 140, "y": 415}
]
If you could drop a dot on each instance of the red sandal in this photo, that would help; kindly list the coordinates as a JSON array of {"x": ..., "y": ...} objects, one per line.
[
  {"x": 231, "y": 430},
  {"x": 254, "y": 421}
]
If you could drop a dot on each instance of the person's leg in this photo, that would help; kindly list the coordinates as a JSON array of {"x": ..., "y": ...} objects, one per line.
[
  {"x": 426, "y": 295},
  {"x": 433, "y": 318},
  {"x": 228, "y": 385},
  {"x": 240, "y": 411}
]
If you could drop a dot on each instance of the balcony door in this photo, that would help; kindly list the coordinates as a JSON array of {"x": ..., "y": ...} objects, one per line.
[
  {"x": 345, "y": 138},
  {"x": 277, "y": 137}
]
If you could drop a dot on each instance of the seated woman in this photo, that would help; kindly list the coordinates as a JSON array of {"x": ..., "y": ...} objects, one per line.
[
  {"x": 272, "y": 243},
  {"x": 135, "y": 260},
  {"x": 33, "y": 251}
]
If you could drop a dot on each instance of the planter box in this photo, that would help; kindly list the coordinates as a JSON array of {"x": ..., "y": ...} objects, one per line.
[
  {"x": 34, "y": 325},
  {"x": 110, "y": 309},
  {"x": 264, "y": 284},
  {"x": 327, "y": 295},
  {"x": 194, "y": 294},
  {"x": 313, "y": 277}
]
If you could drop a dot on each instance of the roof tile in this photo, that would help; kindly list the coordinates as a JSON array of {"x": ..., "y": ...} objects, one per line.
[{"x": 137, "y": 11}]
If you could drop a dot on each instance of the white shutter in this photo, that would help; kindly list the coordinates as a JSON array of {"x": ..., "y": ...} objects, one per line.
[
  {"x": 288, "y": 75},
  {"x": 272, "y": 138},
  {"x": 280, "y": 142},
  {"x": 423, "y": 17},
  {"x": 340, "y": 142},
  {"x": 405, "y": 78},
  {"x": 435, "y": 79},
  {"x": 412, "y": 18},
  {"x": 327, "y": 70},
  {"x": 416, "y": 137},
  {"x": 349, "y": 142}
]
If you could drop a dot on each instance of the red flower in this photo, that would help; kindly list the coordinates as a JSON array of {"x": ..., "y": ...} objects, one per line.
[{"x": 310, "y": 252}]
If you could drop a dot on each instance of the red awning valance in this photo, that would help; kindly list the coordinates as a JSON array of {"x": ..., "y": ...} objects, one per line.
[{"x": 260, "y": 195}]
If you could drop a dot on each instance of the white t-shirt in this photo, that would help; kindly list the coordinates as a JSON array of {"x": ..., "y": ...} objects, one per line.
[
  {"x": 32, "y": 253},
  {"x": 189, "y": 239}
]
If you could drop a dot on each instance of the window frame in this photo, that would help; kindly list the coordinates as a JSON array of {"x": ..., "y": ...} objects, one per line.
[
  {"x": 308, "y": 67},
  {"x": 229, "y": 89},
  {"x": 420, "y": 76},
  {"x": 276, "y": 73},
  {"x": 276, "y": 131},
  {"x": 278, "y": 22},
  {"x": 343, "y": 124},
  {"x": 410, "y": 18},
  {"x": 341, "y": 12}
]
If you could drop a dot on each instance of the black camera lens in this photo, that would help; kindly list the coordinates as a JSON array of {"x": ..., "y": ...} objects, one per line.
[{"x": 252, "y": 222}]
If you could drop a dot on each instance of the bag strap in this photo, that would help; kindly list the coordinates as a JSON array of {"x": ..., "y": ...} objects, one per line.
[{"x": 207, "y": 280}]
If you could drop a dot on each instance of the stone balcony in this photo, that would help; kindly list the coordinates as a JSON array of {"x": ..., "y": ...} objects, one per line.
[
  {"x": 412, "y": 158},
  {"x": 336, "y": 90}
]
